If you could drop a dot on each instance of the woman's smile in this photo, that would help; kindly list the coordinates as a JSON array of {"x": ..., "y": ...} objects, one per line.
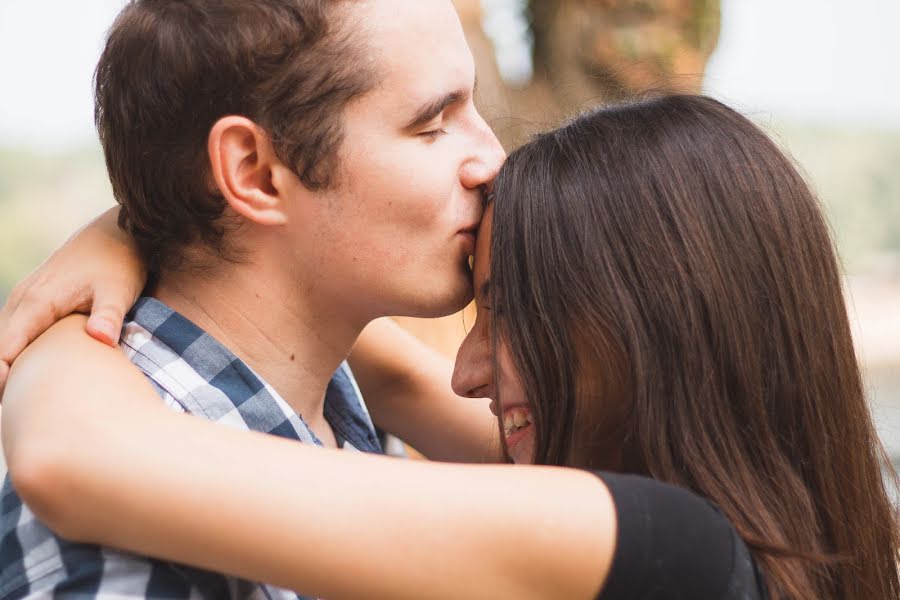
[{"x": 518, "y": 428}]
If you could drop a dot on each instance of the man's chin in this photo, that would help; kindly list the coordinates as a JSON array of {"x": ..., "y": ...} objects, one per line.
[
  {"x": 440, "y": 305},
  {"x": 454, "y": 303}
]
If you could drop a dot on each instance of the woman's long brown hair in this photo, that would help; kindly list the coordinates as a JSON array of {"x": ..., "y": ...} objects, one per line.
[{"x": 672, "y": 301}]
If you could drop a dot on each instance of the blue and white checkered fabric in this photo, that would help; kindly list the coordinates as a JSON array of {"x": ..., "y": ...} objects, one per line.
[{"x": 193, "y": 373}]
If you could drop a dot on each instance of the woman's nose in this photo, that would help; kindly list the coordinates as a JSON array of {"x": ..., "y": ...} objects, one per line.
[{"x": 473, "y": 375}]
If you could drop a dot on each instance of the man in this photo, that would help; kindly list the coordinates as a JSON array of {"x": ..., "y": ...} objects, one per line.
[{"x": 290, "y": 171}]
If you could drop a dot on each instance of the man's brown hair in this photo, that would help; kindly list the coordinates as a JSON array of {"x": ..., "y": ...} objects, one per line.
[{"x": 172, "y": 68}]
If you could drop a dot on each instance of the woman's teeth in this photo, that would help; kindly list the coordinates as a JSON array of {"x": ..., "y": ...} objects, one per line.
[{"x": 516, "y": 419}]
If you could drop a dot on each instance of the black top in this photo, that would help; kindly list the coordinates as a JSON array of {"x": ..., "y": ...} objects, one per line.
[{"x": 672, "y": 544}]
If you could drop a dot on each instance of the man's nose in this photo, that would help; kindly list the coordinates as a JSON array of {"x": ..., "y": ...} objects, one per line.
[
  {"x": 472, "y": 374},
  {"x": 485, "y": 163}
]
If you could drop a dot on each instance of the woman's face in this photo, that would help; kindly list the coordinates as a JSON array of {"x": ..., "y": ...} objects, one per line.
[{"x": 474, "y": 373}]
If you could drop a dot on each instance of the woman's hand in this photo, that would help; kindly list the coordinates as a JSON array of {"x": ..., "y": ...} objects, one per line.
[{"x": 98, "y": 270}]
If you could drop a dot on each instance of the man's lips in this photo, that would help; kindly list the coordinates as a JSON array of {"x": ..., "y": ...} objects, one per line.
[{"x": 468, "y": 241}]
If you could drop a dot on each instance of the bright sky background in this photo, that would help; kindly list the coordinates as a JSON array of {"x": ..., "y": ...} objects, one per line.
[
  {"x": 819, "y": 60},
  {"x": 48, "y": 50}
]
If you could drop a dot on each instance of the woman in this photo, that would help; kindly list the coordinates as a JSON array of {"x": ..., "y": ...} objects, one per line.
[{"x": 658, "y": 297}]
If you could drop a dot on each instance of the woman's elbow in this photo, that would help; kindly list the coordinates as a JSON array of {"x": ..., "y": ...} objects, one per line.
[
  {"x": 55, "y": 425},
  {"x": 42, "y": 473}
]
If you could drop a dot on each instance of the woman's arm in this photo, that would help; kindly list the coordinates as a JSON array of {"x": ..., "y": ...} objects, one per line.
[
  {"x": 406, "y": 385},
  {"x": 99, "y": 459}
]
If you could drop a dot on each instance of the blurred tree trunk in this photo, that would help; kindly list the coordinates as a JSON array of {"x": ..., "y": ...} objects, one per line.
[
  {"x": 593, "y": 51},
  {"x": 585, "y": 52}
]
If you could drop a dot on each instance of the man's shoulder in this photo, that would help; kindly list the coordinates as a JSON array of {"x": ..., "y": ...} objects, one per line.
[
  {"x": 190, "y": 370},
  {"x": 195, "y": 373},
  {"x": 159, "y": 341},
  {"x": 168, "y": 373}
]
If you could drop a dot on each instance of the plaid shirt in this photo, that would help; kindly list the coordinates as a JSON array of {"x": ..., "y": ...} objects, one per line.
[{"x": 193, "y": 373}]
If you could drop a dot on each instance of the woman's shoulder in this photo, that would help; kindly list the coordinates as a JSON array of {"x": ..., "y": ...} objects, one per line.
[{"x": 672, "y": 543}]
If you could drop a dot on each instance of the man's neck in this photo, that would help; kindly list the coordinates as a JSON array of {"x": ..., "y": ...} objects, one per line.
[{"x": 294, "y": 341}]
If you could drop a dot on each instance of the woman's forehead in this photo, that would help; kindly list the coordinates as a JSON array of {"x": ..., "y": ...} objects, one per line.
[{"x": 481, "y": 271}]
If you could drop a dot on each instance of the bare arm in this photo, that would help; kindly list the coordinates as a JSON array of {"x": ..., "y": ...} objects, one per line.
[
  {"x": 179, "y": 488},
  {"x": 407, "y": 387}
]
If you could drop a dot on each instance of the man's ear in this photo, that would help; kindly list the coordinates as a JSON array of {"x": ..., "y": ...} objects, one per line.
[{"x": 246, "y": 170}]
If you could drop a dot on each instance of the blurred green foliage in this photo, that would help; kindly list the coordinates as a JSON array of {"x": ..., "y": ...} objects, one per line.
[
  {"x": 857, "y": 175},
  {"x": 43, "y": 199}
]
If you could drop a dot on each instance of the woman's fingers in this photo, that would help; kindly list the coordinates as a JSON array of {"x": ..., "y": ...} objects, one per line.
[{"x": 108, "y": 313}]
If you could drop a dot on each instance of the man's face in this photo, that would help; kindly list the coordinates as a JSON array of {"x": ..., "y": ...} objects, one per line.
[{"x": 401, "y": 220}]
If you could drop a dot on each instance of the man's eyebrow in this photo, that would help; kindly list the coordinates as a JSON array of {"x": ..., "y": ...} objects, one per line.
[{"x": 431, "y": 109}]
